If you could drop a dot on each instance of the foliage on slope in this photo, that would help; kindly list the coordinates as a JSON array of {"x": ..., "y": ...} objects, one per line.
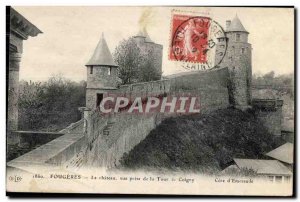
[{"x": 201, "y": 142}]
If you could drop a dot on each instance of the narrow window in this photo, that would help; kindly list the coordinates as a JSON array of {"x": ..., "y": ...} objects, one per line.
[
  {"x": 91, "y": 70},
  {"x": 109, "y": 71},
  {"x": 278, "y": 178},
  {"x": 238, "y": 37},
  {"x": 99, "y": 99},
  {"x": 243, "y": 50}
]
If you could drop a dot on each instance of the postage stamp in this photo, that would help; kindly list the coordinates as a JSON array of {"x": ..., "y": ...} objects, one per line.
[{"x": 193, "y": 40}]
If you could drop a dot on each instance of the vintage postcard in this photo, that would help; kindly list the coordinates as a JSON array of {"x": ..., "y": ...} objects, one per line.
[{"x": 150, "y": 100}]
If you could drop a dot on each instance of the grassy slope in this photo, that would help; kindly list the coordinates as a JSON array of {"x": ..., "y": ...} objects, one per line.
[{"x": 201, "y": 142}]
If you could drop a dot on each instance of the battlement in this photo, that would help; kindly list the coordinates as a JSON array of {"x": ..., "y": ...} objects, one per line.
[{"x": 144, "y": 89}]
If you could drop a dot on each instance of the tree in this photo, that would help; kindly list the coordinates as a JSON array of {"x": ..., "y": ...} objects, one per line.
[
  {"x": 30, "y": 94},
  {"x": 147, "y": 71},
  {"x": 269, "y": 77},
  {"x": 51, "y": 105},
  {"x": 134, "y": 64},
  {"x": 128, "y": 56}
]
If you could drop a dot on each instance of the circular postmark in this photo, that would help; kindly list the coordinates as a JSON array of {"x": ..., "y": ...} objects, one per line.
[{"x": 199, "y": 42}]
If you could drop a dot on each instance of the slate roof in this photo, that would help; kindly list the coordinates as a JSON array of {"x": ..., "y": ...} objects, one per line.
[
  {"x": 102, "y": 55},
  {"x": 284, "y": 153},
  {"x": 230, "y": 168},
  {"x": 236, "y": 26},
  {"x": 272, "y": 167}
]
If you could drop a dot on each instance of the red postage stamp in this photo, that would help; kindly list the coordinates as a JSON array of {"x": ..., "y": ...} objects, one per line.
[
  {"x": 189, "y": 38},
  {"x": 193, "y": 39}
]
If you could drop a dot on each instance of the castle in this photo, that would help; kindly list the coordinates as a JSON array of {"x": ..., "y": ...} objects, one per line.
[
  {"x": 146, "y": 45},
  {"x": 102, "y": 73},
  {"x": 238, "y": 61},
  {"x": 101, "y": 141}
]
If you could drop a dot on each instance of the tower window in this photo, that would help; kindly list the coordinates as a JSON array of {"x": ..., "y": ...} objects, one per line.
[
  {"x": 243, "y": 50},
  {"x": 91, "y": 70},
  {"x": 99, "y": 98},
  {"x": 220, "y": 39},
  {"x": 109, "y": 71},
  {"x": 238, "y": 37}
]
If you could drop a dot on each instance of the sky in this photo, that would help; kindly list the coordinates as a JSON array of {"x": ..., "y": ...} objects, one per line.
[{"x": 70, "y": 35}]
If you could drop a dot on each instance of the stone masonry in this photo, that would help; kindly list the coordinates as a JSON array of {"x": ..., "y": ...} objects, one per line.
[{"x": 20, "y": 29}]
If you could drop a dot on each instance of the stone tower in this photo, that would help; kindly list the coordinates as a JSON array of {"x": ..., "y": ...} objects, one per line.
[
  {"x": 19, "y": 30},
  {"x": 238, "y": 61},
  {"x": 101, "y": 74},
  {"x": 145, "y": 43}
]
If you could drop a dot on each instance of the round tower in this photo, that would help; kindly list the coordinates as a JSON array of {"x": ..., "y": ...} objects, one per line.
[
  {"x": 238, "y": 61},
  {"x": 146, "y": 45},
  {"x": 101, "y": 74},
  {"x": 139, "y": 38}
]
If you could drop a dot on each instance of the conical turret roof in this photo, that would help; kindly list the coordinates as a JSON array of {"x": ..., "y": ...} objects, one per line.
[
  {"x": 102, "y": 55},
  {"x": 236, "y": 26},
  {"x": 143, "y": 33}
]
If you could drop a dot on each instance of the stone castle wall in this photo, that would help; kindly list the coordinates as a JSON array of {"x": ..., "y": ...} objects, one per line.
[
  {"x": 110, "y": 136},
  {"x": 106, "y": 149},
  {"x": 100, "y": 77},
  {"x": 209, "y": 86},
  {"x": 99, "y": 80},
  {"x": 156, "y": 49},
  {"x": 269, "y": 113},
  {"x": 91, "y": 96},
  {"x": 143, "y": 89},
  {"x": 238, "y": 60}
]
